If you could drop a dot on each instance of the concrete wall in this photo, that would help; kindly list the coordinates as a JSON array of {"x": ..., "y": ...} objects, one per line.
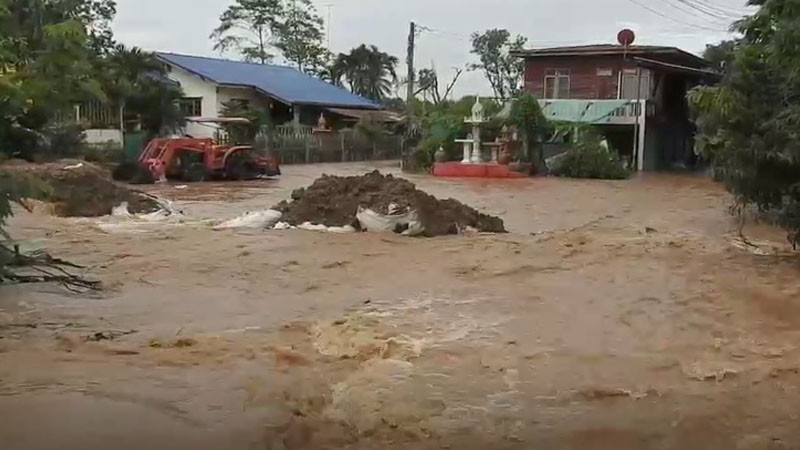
[
  {"x": 194, "y": 86},
  {"x": 100, "y": 137}
]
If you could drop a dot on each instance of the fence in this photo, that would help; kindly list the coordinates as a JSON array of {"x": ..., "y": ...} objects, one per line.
[
  {"x": 341, "y": 146},
  {"x": 92, "y": 114}
]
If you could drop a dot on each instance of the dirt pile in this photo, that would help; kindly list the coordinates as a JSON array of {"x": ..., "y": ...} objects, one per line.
[
  {"x": 334, "y": 201},
  {"x": 81, "y": 189}
]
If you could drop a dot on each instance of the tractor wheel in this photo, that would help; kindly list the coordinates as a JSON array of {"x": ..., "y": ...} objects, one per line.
[
  {"x": 240, "y": 166},
  {"x": 195, "y": 173}
]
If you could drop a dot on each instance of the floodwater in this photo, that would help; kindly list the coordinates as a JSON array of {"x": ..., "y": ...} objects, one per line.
[{"x": 614, "y": 315}]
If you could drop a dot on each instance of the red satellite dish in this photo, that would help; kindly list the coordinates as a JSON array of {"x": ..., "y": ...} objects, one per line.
[{"x": 626, "y": 37}]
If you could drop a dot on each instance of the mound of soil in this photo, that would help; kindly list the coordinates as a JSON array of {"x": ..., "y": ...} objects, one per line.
[
  {"x": 86, "y": 191},
  {"x": 334, "y": 201}
]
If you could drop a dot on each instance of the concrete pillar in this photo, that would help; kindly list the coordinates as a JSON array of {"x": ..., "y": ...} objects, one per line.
[
  {"x": 296, "y": 119},
  {"x": 476, "y": 146},
  {"x": 642, "y": 136},
  {"x": 467, "y": 152}
]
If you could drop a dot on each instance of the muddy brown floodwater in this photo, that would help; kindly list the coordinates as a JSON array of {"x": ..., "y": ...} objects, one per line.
[{"x": 614, "y": 315}]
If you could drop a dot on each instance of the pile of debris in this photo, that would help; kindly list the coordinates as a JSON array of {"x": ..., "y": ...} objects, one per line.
[
  {"x": 81, "y": 189},
  {"x": 350, "y": 201}
]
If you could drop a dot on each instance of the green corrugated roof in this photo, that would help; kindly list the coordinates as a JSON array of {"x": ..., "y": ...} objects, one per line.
[{"x": 582, "y": 111}]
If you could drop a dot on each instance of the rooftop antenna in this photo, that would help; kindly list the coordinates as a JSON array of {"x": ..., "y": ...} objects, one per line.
[{"x": 625, "y": 38}]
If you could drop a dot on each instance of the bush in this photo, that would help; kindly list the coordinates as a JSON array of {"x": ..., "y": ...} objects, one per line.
[
  {"x": 104, "y": 154},
  {"x": 590, "y": 159},
  {"x": 63, "y": 140}
]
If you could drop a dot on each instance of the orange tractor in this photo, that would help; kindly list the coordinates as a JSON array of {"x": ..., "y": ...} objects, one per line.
[{"x": 192, "y": 159}]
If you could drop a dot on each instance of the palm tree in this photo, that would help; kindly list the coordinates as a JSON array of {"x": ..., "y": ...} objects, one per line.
[{"x": 369, "y": 72}]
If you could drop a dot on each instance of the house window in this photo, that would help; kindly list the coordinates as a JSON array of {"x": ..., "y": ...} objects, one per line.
[
  {"x": 556, "y": 84},
  {"x": 605, "y": 84},
  {"x": 630, "y": 79},
  {"x": 192, "y": 106}
]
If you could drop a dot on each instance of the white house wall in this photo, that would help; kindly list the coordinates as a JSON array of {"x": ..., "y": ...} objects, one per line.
[
  {"x": 194, "y": 86},
  {"x": 226, "y": 94}
]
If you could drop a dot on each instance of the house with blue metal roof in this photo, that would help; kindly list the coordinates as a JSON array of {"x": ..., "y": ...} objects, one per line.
[{"x": 288, "y": 94}]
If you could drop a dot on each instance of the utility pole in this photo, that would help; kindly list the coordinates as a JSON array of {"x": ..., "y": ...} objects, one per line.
[
  {"x": 330, "y": 25},
  {"x": 412, "y": 35}
]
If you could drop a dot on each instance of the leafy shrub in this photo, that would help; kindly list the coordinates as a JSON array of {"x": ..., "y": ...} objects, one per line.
[
  {"x": 62, "y": 141},
  {"x": 590, "y": 159},
  {"x": 104, "y": 154},
  {"x": 15, "y": 186}
]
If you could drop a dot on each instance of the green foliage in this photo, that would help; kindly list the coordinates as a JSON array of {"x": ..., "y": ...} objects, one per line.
[
  {"x": 299, "y": 37},
  {"x": 590, "y": 159},
  {"x": 136, "y": 81},
  {"x": 245, "y": 133},
  {"x": 503, "y": 71},
  {"x": 62, "y": 140},
  {"x": 721, "y": 54},
  {"x": 14, "y": 187},
  {"x": 366, "y": 70},
  {"x": 109, "y": 153},
  {"x": 749, "y": 125},
  {"x": 247, "y": 27},
  {"x": 443, "y": 124},
  {"x": 370, "y": 128},
  {"x": 46, "y": 54},
  {"x": 255, "y": 27},
  {"x": 526, "y": 115}
]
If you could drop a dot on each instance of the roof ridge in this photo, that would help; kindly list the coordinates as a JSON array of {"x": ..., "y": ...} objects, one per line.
[{"x": 227, "y": 60}]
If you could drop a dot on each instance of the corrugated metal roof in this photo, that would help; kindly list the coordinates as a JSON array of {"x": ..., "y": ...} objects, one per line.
[
  {"x": 609, "y": 49},
  {"x": 582, "y": 111},
  {"x": 282, "y": 83},
  {"x": 575, "y": 111},
  {"x": 358, "y": 114}
]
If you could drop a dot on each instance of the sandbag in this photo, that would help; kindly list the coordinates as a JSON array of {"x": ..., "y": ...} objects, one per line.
[
  {"x": 407, "y": 223},
  {"x": 252, "y": 220}
]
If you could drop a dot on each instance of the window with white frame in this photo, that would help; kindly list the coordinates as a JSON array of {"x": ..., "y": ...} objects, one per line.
[
  {"x": 630, "y": 80},
  {"x": 192, "y": 106},
  {"x": 556, "y": 84}
]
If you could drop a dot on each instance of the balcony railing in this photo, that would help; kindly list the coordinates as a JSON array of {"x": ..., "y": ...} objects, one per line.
[{"x": 610, "y": 112}]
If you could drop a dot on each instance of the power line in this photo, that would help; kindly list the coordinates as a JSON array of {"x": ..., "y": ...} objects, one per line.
[
  {"x": 704, "y": 10},
  {"x": 723, "y": 9},
  {"x": 672, "y": 19}
]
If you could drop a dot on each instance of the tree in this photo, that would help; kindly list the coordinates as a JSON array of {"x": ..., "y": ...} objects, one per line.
[
  {"x": 244, "y": 133},
  {"x": 748, "y": 125},
  {"x": 503, "y": 71},
  {"x": 428, "y": 81},
  {"x": 97, "y": 15},
  {"x": 255, "y": 28},
  {"x": 368, "y": 71},
  {"x": 720, "y": 55},
  {"x": 47, "y": 56},
  {"x": 247, "y": 26},
  {"x": 299, "y": 36},
  {"x": 527, "y": 116},
  {"x": 137, "y": 82}
]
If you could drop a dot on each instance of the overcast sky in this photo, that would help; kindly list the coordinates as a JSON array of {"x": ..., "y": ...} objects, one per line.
[{"x": 183, "y": 26}]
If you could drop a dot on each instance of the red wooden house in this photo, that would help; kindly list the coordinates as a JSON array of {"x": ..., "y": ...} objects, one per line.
[{"x": 637, "y": 94}]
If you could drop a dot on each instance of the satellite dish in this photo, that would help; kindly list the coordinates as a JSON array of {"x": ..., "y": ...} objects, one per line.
[{"x": 626, "y": 37}]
